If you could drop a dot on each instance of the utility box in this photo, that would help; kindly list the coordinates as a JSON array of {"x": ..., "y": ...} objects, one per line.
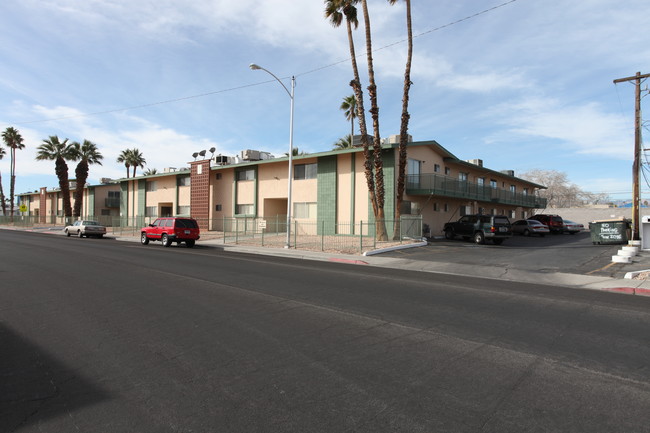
[
  {"x": 645, "y": 232},
  {"x": 610, "y": 231}
]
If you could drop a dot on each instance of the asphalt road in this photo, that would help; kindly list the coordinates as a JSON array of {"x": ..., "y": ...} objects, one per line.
[{"x": 106, "y": 336}]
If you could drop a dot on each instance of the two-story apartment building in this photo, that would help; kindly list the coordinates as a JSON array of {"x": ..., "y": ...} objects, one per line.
[{"x": 328, "y": 187}]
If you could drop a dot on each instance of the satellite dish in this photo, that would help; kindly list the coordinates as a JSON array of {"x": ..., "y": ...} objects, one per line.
[
  {"x": 202, "y": 153},
  {"x": 195, "y": 154}
]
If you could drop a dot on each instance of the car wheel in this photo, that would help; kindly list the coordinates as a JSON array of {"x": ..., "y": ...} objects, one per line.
[
  {"x": 526, "y": 232},
  {"x": 80, "y": 234},
  {"x": 449, "y": 234},
  {"x": 144, "y": 240},
  {"x": 67, "y": 233},
  {"x": 479, "y": 238},
  {"x": 190, "y": 243},
  {"x": 497, "y": 241},
  {"x": 165, "y": 240}
]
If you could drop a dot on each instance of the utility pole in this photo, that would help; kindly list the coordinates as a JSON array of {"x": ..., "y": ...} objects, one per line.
[{"x": 637, "y": 150}]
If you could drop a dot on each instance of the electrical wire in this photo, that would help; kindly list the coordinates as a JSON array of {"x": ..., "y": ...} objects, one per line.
[{"x": 201, "y": 95}]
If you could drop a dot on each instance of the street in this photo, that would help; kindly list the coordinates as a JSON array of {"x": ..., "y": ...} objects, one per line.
[{"x": 105, "y": 336}]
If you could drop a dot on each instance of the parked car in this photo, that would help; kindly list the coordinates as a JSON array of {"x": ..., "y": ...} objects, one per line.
[
  {"x": 172, "y": 229},
  {"x": 479, "y": 228},
  {"x": 86, "y": 228},
  {"x": 554, "y": 223},
  {"x": 529, "y": 227},
  {"x": 573, "y": 227}
]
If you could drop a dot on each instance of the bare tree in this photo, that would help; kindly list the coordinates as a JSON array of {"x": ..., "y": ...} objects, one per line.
[{"x": 560, "y": 192}]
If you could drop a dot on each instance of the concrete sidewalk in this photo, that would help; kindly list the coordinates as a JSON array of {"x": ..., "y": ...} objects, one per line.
[{"x": 639, "y": 287}]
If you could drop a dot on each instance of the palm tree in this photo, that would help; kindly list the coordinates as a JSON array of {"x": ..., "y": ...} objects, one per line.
[
  {"x": 151, "y": 171},
  {"x": 3, "y": 204},
  {"x": 335, "y": 10},
  {"x": 58, "y": 151},
  {"x": 136, "y": 159},
  {"x": 13, "y": 140},
  {"x": 87, "y": 154},
  {"x": 349, "y": 107},
  {"x": 343, "y": 143},
  {"x": 125, "y": 158},
  {"x": 295, "y": 152},
  {"x": 403, "y": 133}
]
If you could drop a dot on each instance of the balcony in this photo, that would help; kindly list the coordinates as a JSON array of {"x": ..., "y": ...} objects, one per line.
[{"x": 435, "y": 184}]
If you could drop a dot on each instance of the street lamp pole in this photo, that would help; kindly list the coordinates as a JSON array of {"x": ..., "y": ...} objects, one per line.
[{"x": 254, "y": 67}]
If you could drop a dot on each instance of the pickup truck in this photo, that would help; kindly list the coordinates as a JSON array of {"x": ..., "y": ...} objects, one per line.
[{"x": 479, "y": 228}]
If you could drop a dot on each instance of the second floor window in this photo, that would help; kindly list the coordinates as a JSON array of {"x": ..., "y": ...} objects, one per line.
[
  {"x": 152, "y": 186},
  {"x": 305, "y": 171},
  {"x": 183, "y": 181},
  {"x": 493, "y": 183},
  {"x": 246, "y": 174}
]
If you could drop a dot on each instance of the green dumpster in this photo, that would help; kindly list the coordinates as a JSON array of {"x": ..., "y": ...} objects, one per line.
[{"x": 609, "y": 231}]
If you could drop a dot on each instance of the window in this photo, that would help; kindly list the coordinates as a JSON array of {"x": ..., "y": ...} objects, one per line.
[
  {"x": 447, "y": 171},
  {"x": 113, "y": 194},
  {"x": 106, "y": 212},
  {"x": 480, "y": 181},
  {"x": 244, "y": 209},
  {"x": 462, "y": 177},
  {"x": 151, "y": 211},
  {"x": 480, "y": 211},
  {"x": 305, "y": 171},
  {"x": 218, "y": 176},
  {"x": 446, "y": 207},
  {"x": 183, "y": 180},
  {"x": 413, "y": 166},
  {"x": 525, "y": 191},
  {"x": 493, "y": 183},
  {"x": 513, "y": 188},
  {"x": 436, "y": 168},
  {"x": 246, "y": 174},
  {"x": 183, "y": 210},
  {"x": 436, "y": 207},
  {"x": 152, "y": 186},
  {"x": 304, "y": 210},
  {"x": 218, "y": 208},
  {"x": 513, "y": 214}
]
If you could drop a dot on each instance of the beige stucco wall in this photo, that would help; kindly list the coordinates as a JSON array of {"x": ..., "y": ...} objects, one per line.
[{"x": 221, "y": 191}]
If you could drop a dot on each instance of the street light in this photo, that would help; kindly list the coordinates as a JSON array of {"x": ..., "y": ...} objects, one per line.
[{"x": 255, "y": 67}]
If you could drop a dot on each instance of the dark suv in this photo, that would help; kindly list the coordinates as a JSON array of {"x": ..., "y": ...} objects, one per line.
[
  {"x": 172, "y": 229},
  {"x": 479, "y": 228},
  {"x": 554, "y": 223}
]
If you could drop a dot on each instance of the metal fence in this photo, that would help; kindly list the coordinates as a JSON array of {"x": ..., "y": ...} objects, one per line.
[{"x": 266, "y": 232}]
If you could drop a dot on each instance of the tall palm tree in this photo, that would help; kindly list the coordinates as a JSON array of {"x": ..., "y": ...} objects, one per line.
[
  {"x": 151, "y": 171},
  {"x": 59, "y": 151},
  {"x": 343, "y": 143},
  {"x": 403, "y": 132},
  {"x": 136, "y": 159},
  {"x": 87, "y": 154},
  {"x": 349, "y": 107},
  {"x": 336, "y": 10},
  {"x": 124, "y": 158},
  {"x": 3, "y": 204},
  {"x": 13, "y": 140}
]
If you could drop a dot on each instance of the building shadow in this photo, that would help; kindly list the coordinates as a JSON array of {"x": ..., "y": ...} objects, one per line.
[{"x": 34, "y": 386}]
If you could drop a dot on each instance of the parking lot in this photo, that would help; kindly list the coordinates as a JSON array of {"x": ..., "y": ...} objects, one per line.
[{"x": 552, "y": 253}]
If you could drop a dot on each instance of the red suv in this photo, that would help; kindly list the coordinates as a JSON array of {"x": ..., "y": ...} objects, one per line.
[
  {"x": 554, "y": 222},
  {"x": 168, "y": 230}
]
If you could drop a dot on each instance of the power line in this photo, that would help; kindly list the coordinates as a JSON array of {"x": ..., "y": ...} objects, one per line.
[{"x": 201, "y": 95}]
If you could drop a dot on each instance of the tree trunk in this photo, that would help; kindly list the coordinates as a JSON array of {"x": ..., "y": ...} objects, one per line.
[
  {"x": 81, "y": 173},
  {"x": 12, "y": 183},
  {"x": 374, "y": 111},
  {"x": 403, "y": 133},
  {"x": 64, "y": 185},
  {"x": 2, "y": 199}
]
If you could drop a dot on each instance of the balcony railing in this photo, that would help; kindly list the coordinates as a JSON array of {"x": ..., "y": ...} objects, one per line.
[{"x": 427, "y": 184}]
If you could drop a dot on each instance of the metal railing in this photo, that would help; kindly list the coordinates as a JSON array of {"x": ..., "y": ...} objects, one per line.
[{"x": 445, "y": 186}]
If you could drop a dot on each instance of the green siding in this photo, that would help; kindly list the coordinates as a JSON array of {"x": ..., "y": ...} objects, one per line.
[
  {"x": 124, "y": 199},
  {"x": 142, "y": 197},
  {"x": 91, "y": 201},
  {"x": 388, "y": 157},
  {"x": 327, "y": 196}
]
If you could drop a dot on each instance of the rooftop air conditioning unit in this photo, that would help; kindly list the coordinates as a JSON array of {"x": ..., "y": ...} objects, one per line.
[
  {"x": 508, "y": 172},
  {"x": 394, "y": 139},
  {"x": 478, "y": 162},
  {"x": 250, "y": 155},
  {"x": 222, "y": 160}
]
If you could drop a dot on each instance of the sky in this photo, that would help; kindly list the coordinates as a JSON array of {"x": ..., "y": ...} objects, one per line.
[{"x": 520, "y": 84}]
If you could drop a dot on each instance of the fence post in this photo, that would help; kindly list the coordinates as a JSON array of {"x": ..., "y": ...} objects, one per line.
[
  {"x": 374, "y": 235},
  {"x": 295, "y": 234},
  {"x": 360, "y": 237}
]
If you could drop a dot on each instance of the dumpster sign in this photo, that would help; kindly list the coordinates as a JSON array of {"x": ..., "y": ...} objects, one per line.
[{"x": 611, "y": 232}]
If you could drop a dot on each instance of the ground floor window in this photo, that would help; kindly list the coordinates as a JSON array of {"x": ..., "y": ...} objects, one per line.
[
  {"x": 151, "y": 211},
  {"x": 183, "y": 210},
  {"x": 245, "y": 209},
  {"x": 304, "y": 210}
]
